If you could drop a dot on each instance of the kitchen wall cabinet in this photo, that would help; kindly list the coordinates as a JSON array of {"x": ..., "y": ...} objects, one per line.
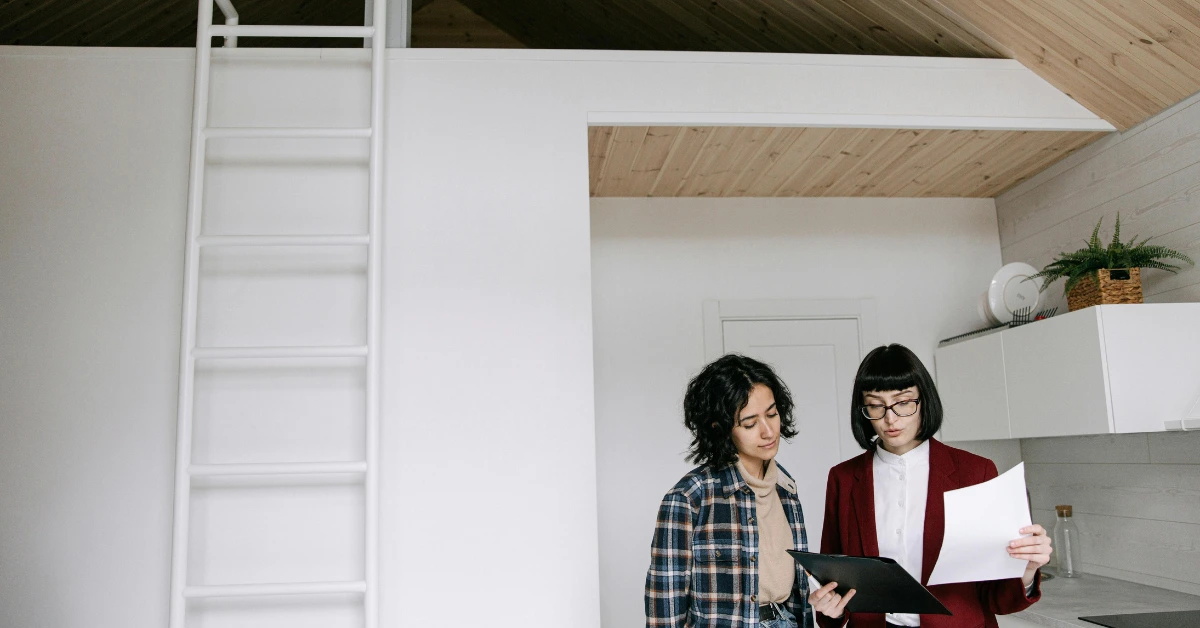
[
  {"x": 1055, "y": 372},
  {"x": 975, "y": 394},
  {"x": 1108, "y": 369}
]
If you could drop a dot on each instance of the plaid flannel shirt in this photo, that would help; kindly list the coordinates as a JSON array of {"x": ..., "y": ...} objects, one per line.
[{"x": 703, "y": 559}]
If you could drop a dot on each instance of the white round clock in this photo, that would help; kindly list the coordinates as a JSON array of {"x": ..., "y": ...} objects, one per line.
[{"x": 1009, "y": 292}]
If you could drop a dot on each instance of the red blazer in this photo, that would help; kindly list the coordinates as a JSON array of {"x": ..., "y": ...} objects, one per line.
[{"x": 850, "y": 529}]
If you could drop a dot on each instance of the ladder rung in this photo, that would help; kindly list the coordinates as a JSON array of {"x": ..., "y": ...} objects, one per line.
[
  {"x": 253, "y": 30},
  {"x": 212, "y": 353},
  {"x": 293, "y": 132},
  {"x": 290, "y": 468},
  {"x": 284, "y": 240},
  {"x": 297, "y": 588}
]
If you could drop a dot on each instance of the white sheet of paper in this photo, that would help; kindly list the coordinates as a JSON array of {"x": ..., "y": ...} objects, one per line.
[{"x": 980, "y": 521}]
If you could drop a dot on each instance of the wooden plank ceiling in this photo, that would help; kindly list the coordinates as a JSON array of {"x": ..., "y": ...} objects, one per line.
[
  {"x": 782, "y": 162},
  {"x": 449, "y": 24},
  {"x": 162, "y": 23},
  {"x": 1125, "y": 60},
  {"x": 884, "y": 27}
]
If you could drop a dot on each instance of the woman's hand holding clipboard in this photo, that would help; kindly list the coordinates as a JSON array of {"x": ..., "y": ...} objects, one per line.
[
  {"x": 880, "y": 585},
  {"x": 826, "y": 600}
]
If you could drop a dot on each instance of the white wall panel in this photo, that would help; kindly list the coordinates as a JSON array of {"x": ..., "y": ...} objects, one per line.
[{"x": 93, "y": 186}]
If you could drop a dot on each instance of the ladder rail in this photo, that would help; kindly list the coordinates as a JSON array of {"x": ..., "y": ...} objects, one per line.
[
  {"x": 191, "y": 273},
  {"x": 374, "y": 309},
  {"x": 266, "y": 469},
  {"x": 253, "y": 353},
  {"x": 284, "y": 240},
  {"x": 256, "y": 30},
  {"x": 280, "y": 588},
  {"x": 375, "y": 252},
  {"x": 285, "y": 132},
  {"x": 231, "y": 19}
]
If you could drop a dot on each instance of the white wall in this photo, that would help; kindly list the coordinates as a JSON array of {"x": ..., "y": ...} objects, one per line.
[
  {"x": 489, "y": 498},
  {"x": 1134, "y": 495},
  {"x": 93, "y": 184},
  {"x": 654, "y": 262}
]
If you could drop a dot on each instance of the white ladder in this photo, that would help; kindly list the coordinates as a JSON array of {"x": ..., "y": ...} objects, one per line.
[{"x": 190, "y": 353}]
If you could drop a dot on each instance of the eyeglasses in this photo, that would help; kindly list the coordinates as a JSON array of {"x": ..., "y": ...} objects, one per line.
[{"x": 876, "y": 411}]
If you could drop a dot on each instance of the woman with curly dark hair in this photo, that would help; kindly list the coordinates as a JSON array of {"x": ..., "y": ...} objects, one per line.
[{"x": 719, "y": 555}]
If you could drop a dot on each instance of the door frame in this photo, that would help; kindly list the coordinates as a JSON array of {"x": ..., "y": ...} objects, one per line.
[{"x": 716, "y": 312}]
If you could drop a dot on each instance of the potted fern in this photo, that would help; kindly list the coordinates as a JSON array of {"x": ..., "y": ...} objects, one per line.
[{"x": 1097, "y": 274}]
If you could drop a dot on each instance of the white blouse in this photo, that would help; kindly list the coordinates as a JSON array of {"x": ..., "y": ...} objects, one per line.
[{"x": 901, "y": 490}]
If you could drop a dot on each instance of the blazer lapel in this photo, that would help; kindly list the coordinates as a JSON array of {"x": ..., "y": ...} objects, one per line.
[
  {"x": 941, "y": 470},
  {"x": 863, "y": 496}
]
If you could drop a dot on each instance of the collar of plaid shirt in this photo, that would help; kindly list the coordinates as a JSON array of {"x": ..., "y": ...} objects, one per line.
[{"x": 732, "y": 482}]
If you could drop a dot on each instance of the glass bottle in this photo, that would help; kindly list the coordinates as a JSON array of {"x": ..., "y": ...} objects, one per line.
[{"x": 1066, "y": 543}]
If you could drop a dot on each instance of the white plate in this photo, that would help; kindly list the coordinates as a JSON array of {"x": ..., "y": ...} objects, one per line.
[{"x": 1008, "y": 293}]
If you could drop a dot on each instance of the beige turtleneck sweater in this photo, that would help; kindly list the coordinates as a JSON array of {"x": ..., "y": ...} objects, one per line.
[{"x": 776, "y": 568}]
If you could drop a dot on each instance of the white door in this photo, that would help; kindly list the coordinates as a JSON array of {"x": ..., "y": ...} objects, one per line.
[{"x": 817, "y": 359}]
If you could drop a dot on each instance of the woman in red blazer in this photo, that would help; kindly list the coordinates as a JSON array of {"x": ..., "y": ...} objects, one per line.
[{"x": 888, "y": 501}]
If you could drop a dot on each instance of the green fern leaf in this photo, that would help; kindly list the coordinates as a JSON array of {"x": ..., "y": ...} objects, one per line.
[{"x": 1082, "y": 264}]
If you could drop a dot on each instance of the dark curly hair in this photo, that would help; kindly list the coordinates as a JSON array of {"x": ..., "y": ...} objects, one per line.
[
  {"x": 716, "y": 396},
  {"x": 894, "y": 367}
]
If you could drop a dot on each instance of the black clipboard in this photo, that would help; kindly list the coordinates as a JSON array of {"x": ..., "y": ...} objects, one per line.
[{"x": 882, "y": 585}]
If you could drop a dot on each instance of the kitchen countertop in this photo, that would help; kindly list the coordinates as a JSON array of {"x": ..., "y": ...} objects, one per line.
[{"x": 1065, "y": 600}]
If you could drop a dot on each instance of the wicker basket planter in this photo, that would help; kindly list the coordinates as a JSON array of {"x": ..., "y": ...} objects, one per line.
[{"x": 1104, "y": 290}]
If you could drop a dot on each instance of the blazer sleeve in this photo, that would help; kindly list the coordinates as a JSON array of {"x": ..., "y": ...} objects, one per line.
[
  {"x": 1003, "y": 597},
  {"x": 831, "y": 538},
  {"x": 668, "y": 581},
  {"x": 831, "y": 542}
]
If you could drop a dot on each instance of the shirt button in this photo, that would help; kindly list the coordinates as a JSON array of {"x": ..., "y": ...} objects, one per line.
[
  {"x": 897, "y": 531},
  {"x": 900, "y": 502},
  {"x": 751, "y": 520},
  {"x": 753, "y": 598},
  {"x": 901, "y": 476},
  {"x": 754, "y": 559}
]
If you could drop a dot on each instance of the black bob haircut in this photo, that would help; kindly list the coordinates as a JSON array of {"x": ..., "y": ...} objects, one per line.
[
  {"x": 716, "y": 396},
  {"x": 894, "y": 367}
]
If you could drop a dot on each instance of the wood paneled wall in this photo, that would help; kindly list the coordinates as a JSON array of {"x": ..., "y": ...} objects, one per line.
[
  {"x": 795, "y": 161},
  {"x": 1136, "y": 499},
  {"x": 1150, "y": 174}
]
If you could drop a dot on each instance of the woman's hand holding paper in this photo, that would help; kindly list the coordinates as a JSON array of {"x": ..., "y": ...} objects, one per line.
[{"x": 1035, "y": 549}]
